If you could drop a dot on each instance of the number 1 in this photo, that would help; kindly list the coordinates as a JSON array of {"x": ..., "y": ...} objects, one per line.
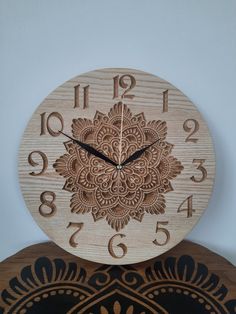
[{"x": 165, "y": 101}]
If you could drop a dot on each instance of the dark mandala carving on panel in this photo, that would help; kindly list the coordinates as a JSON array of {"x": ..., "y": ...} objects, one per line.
[{"x": 174, "y": 286}]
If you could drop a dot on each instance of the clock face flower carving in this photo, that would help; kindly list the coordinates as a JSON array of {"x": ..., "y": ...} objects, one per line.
[{"x": 115, "y": 194}]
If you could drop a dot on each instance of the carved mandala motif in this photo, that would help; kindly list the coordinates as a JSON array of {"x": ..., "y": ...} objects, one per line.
[{"x": 104, "y": 190}]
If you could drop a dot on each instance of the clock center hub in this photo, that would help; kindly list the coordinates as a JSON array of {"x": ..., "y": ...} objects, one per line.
[{"x": 119, "y": 167}]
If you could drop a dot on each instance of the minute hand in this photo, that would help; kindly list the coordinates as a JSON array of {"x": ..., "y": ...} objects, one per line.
[
  {"x": 91, "y": 150},
  {"x": 138, "y": 153}
]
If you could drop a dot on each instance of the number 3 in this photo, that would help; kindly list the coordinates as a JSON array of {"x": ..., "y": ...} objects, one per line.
[{"x": 201, "y": 168}]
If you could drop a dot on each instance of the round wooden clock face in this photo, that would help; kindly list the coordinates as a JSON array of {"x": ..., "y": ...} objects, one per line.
[{"x": 116, "y": 166}]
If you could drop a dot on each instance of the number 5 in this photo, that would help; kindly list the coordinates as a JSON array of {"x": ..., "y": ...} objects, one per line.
[{"x": 163, "y": 230}]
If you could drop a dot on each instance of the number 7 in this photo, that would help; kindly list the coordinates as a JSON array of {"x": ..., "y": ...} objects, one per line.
[{"x": 78, "y": 225}]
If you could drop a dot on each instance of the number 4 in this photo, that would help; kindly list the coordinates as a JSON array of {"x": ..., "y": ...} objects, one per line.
[{"x": 189, "y": 208}]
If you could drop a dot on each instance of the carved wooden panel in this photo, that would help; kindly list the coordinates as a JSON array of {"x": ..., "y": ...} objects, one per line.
[
  {"x": 135, "y": 174},
  {"x": 188, "y": 279}
]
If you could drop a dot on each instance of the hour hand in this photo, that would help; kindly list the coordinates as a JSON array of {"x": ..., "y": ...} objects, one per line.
[
  {"x": 138, "y": 153},
  {"x": 91, "y": 150}
]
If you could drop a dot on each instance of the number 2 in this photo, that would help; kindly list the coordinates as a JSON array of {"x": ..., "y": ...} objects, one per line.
[{"x": 191, "y": 125}]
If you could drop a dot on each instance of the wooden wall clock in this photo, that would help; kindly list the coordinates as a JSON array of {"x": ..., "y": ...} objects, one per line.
[{"x": 116, "y": 166}]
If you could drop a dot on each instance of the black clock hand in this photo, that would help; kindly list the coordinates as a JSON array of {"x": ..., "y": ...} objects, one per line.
[
  {"x": 138, "y": 153},
  {"x": 91, "y": 150}
]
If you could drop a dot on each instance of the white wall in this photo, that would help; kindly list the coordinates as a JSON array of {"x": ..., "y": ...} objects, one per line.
[{"x": 190, "y": 43}]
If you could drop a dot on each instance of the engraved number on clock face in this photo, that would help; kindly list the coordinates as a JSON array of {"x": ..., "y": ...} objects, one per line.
[
  {"x": 191, "y": 126},
  {"x": 163, "y": 231},
  {"x": 203, "y": 170},
  {"x": 165, "y": 101},
  {"x": 77, "y": 100},
  {"x": 121, "y": 81},
  {"x": 122, "y": 246},
  {"x": 45, "y": 123},
  {"x": 47, "y": 199},
  {"x": 78, "y": 225},
  {"x": 34, "y": 163},
  {"x": 188, "y": 208}
]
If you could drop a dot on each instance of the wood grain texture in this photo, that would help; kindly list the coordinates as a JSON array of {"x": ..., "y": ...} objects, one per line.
[
  {"x": 189, "y": 278},
  {"x": 123, "y": 214}
]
